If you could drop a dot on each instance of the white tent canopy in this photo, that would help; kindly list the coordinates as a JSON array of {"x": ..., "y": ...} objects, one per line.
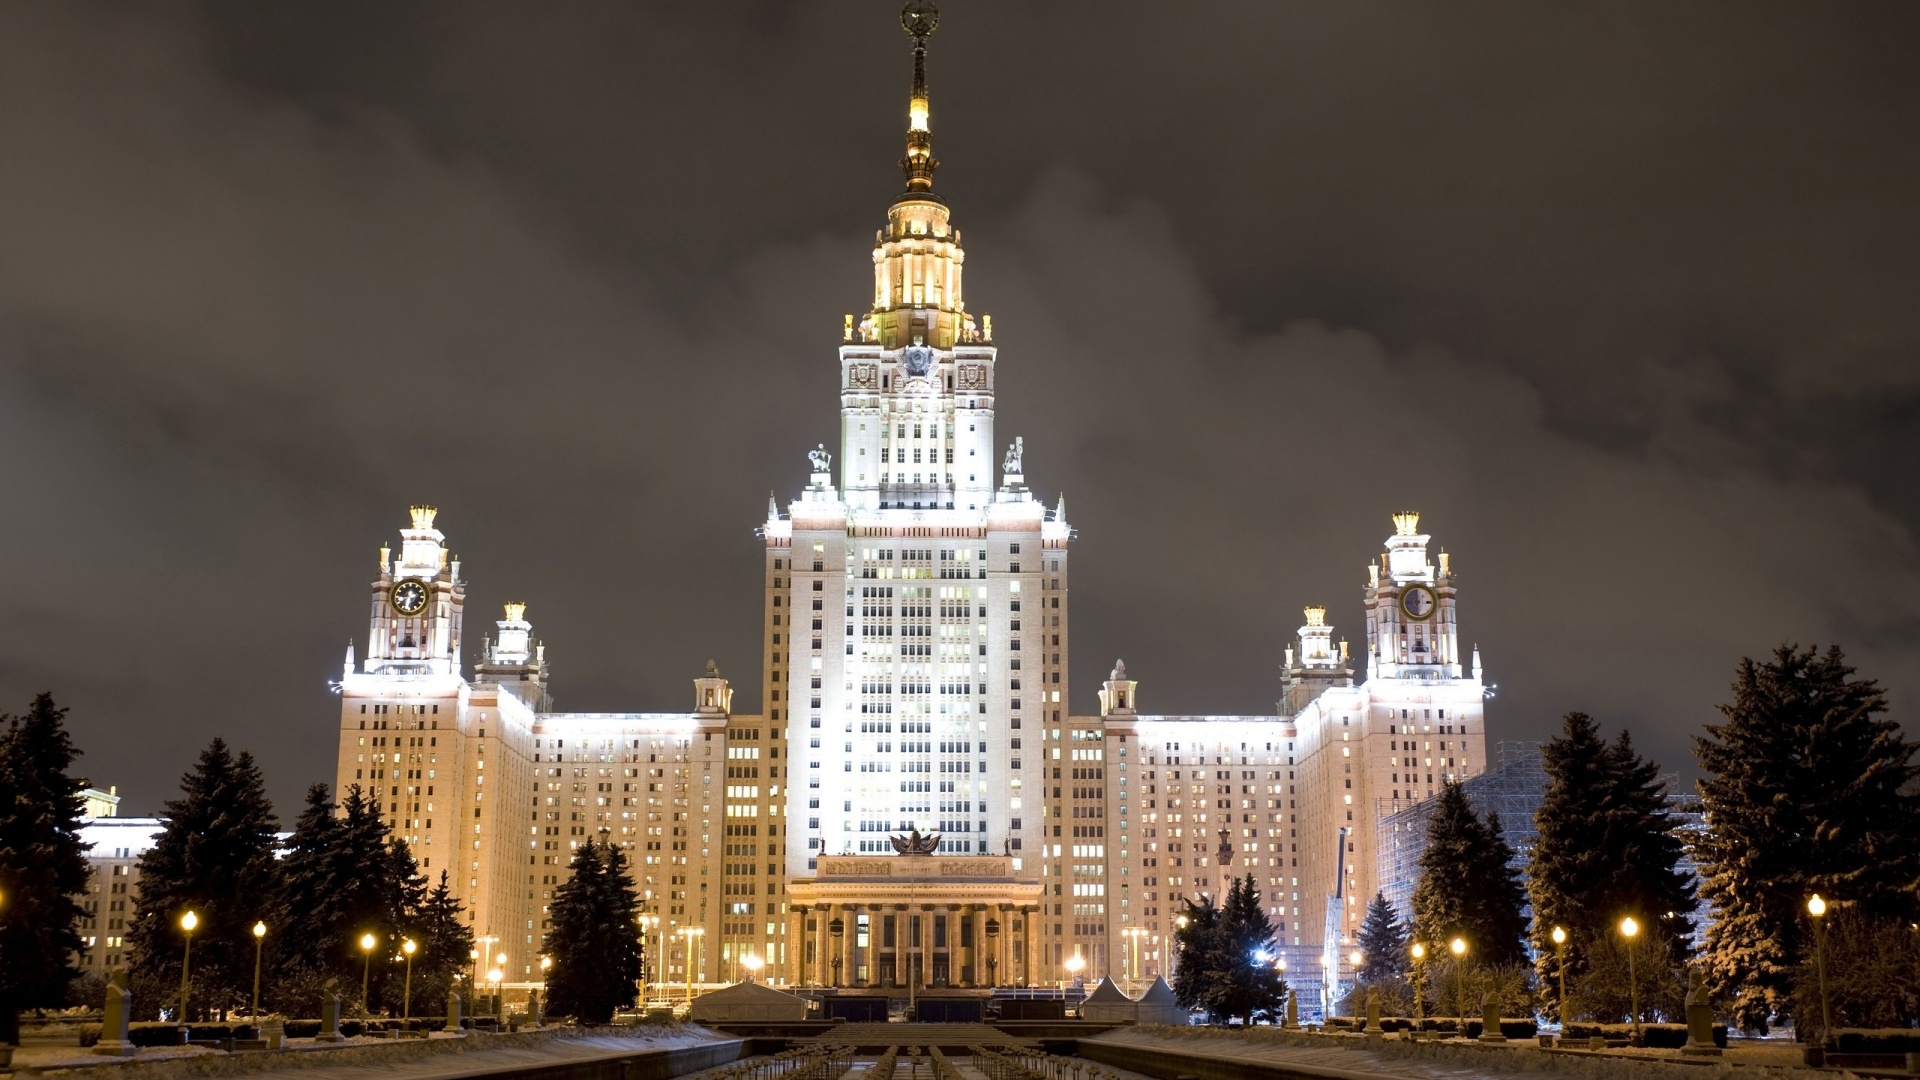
[{"x": 748, "y": 1001}]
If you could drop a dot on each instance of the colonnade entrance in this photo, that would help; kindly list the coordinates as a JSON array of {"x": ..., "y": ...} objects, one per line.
[{"x": 913, "y": 921}]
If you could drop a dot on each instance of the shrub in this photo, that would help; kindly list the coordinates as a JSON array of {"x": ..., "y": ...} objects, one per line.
[
  {"x": 1874, "y": 1041},
  {"x": 1659, "y": 1036}
]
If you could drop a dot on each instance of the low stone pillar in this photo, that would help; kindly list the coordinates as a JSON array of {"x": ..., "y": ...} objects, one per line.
[
  {"x": 453, "y": 1011},
  {"x": 1292, "y": 1022},
  {"x": 1373, "y": 1011},
  {"x": 119, "y": 1012},
  {"x": 329, "y": 1019},
  {"x": 273, "y": 1033},
  {"x": 534, "y": 1018}
]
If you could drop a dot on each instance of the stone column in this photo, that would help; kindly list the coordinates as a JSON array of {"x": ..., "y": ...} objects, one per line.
[
  {"x": 1027, "y": 917},
  {"x": 796, "y": 965},
  {"x": 860, "y": 955},
  {"x": 900, "y": 973},
  {"x": 926, "y": 945}
]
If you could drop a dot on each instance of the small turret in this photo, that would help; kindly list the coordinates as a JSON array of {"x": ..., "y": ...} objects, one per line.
[{"x": 1119, "y": 695}]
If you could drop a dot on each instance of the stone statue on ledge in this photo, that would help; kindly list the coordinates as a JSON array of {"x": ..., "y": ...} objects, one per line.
[{"x": 915, "y": 844}]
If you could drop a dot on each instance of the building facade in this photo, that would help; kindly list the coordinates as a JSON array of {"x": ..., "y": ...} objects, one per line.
[{"x": 916, "y": 638}]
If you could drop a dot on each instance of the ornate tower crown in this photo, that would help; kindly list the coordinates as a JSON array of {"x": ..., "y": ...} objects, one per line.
[
  {"x": 1316, "y": 616},
  {"x": 920, "y": 19},
  {"x": 422, "y": 516},
  {"x": 1406, "y": 523},
  {"x": 515, "y": 612}
]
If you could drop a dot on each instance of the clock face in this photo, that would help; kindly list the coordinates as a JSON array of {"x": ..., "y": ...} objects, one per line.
[
  {"x": 409, "y": 598},
  {"x": 1418, "y": 602}
]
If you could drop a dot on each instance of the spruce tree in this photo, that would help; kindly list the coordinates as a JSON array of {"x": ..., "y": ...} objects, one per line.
[
  {"x": 215, "y": 856},
  {"x": 1250, "y": 986},
  {"x": 1467, "y": 887},
  {"x": 1808, "y": 788},
  {"x": 594, "y": 942},
  {"x": 1606, "y": 847},
  {"x": 1196, "y": 941},
  {"x": 1383, "y": 941},
  {"x": 346, "y": 876},
  {"x": 444, "y": 940},
  {"x": 313, "y": 920},
  {"x": 43, "y": 863}
]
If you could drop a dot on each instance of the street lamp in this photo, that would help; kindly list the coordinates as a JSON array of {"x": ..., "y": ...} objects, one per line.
[
  {"x": 753, "y": 964},
  {"x": 406, "y": 1008},
  {"x": 647, "y": 923},
  {"x": 692, "y": 932},
  {"x": 494, "y": 977},
  {"x": 1458, "y": 947},
  {"x": 259, "y": 937},
  {"x": 367, "y": 942},
  {"x": 1560, "y": 962},
  {"x": 1073, "y": 966},
  {"x": 187, "y": 923},
  {"x": 1630, "y": 929},
  {"x": 1419, "y": 1014},
  {"x": 1817, "y": 907}
]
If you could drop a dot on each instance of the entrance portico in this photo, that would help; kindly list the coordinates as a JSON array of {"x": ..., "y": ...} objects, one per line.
[{"x": 929, "y": 921}]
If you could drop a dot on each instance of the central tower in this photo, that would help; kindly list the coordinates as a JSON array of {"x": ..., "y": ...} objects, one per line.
[{"x": 916, "y": 618}]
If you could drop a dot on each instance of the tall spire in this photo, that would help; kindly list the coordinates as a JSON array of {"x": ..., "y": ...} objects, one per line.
[{"x": 920, "y": 18}]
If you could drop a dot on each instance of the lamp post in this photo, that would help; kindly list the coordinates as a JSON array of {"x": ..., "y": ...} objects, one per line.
[
  {"x": 1458, "y": 947},
  {"x": 1560, "y": 962},
  {"x": 1630, "y": 930},
  {"x": 1072, "y": 967},
  {"x": 187, "y": 923},
  {"x": 406, "y": 1006},
  {"x": 494, "y": 976},
  {"x": 647, "y": 922},
  {"x": 367, "y": 942},
  {"x": 1419, "y": 1015},
  {"x": 691, "y": 932},
  {"x": 1817, "y": 907},
  {"x": 259, "y": 937},
  {"x": 1133, "y": 934},
  {"x": 753, "y": 964}
]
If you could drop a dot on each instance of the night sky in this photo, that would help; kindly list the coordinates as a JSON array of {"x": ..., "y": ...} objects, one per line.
[{"x": 1621, "y": 297}]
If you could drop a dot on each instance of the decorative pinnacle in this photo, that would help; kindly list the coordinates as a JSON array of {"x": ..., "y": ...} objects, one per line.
[
  {"x": 920, "y": 19},
  {"x": 422, "y": 516},
  {"x": 1407, "y": 522},
  {"x": 1316, "y": 615}
]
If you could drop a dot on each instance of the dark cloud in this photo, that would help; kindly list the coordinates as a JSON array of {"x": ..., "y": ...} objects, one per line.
[{"x": 1620, "y": 298}]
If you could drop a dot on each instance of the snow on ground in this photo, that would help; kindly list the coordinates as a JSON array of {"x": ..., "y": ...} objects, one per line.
[{"x": 442, "y": 1058}]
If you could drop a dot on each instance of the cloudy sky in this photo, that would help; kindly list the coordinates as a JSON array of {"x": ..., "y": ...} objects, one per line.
[{"x": 1622, "y": 297}]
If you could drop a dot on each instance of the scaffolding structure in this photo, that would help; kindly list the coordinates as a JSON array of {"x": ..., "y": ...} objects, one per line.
[{"x": 1512, "y": 788}]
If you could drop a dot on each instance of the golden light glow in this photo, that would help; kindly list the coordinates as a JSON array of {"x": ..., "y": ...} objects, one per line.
[
  {"x": 408, "y": 946},
  {"x": 189, "y": 921},
  {"x": 1459, "y": 946},
  {"x": 1559, "y": 935},
  {"x": 1355, "y": 957},
  {"x": 917, "y": 115},
  {"x": 752, "y": 962},
  {"x": 1419, "y": 951},
  {"x": 1816, "y": 906},
  {"x": 259, "y": 929},
  {"x": 1628, "y": 927},
  {"x": 495, "y": 975},
  {"x": 1075, "y": 963},
  {"x": 368, "y": 941}
]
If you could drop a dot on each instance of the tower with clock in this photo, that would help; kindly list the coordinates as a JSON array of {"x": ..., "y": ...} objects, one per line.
[
  {"x": 1411, "y": 631},
  {"x": 417, "y": 603}
]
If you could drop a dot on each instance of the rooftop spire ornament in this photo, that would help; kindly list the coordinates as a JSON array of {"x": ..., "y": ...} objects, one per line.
[{"x": 919, "y": 18}]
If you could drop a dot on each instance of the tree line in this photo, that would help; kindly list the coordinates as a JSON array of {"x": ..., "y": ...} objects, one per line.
[
  {"x": 1808, "y": 787},
  {"x": 338, "y": 879}
]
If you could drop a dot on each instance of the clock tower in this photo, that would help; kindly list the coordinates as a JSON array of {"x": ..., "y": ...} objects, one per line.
[
  {"x": 415, "y": 620},
  {"x": 1411, "y": 630}
]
